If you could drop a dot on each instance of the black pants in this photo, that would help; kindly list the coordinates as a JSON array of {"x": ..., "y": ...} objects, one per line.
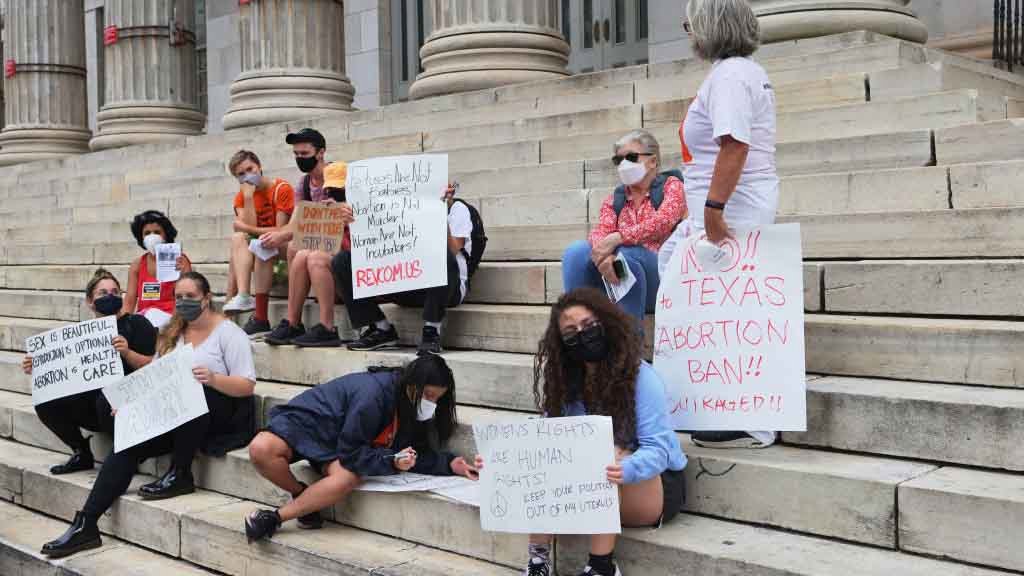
[
  {"x": 435, "y": 301},
  {"x": 183, "y": 442},
  {"x": 65, "y": 417}
]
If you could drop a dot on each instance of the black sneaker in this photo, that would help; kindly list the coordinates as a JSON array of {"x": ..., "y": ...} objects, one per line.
[
  {"x": 319, "y": 337},
  {"x": 537, "y": 567},
  {"x": 254, "y": 326},
  {"x": 374, "y": 338},
  {"x": 430, "y": 343},
  {"x": 261, "y": 524},
  {"x": 284, "y": 333},
  {"x": 716, "y": 439}
]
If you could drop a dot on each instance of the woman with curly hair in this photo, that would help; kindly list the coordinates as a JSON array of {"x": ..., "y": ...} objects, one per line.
[
  {"x": 147, "y": 295},
  {"x": 589, "y": 362}
]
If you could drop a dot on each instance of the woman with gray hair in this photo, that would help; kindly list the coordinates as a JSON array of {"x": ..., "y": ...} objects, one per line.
[
  {"x": 634, "y": 221},
  {"x": 728, "y": 140}
]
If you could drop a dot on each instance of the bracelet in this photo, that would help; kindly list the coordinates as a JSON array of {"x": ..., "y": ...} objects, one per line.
[{"x": 714, "y": 205}]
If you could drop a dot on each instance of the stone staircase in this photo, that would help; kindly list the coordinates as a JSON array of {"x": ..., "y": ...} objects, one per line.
[{"x": 902, "y": 165}]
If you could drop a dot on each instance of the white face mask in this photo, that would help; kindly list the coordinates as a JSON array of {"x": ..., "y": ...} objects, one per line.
[
  {"x": 151, "y": 241},
  {"x": 426, "y": 410},
  {"x": 631, "y": 172}
]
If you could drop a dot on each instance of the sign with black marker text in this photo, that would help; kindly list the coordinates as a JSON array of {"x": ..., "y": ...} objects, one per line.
[{"x": 73, "y": 359}]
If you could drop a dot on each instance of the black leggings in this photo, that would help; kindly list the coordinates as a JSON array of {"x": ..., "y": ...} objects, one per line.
[
  {"x": 435, "y": 301},
  {"x": 65, "y": 417},
  {"x": 183, "y": 443}
]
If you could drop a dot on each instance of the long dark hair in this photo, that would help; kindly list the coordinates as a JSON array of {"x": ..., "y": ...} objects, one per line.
[
  {"x": 150, "y": 217},
  {"x": 176, "y": 325},
  {"x": 423, "y": 371},
  {"x": 611, "y": 390}
]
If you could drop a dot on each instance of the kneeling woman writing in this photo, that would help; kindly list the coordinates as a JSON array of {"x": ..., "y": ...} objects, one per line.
[
  {"x": 365, "y": 424},
  {"x": 224, "y": 366},
  {"x": 589, "y": 363}
]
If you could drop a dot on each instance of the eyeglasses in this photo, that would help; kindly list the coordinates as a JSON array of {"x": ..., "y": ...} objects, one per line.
[
  {"x": 572, "y": 339},
  {"x": 632, "y": 157},
  {"x": 686, "y": 26}
]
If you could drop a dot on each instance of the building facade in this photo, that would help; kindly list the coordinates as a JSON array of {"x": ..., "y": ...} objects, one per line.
[{"x": 97, "y": 74}]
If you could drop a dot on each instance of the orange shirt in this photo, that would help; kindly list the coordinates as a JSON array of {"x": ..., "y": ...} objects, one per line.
[{"x": 277, "y": 198}]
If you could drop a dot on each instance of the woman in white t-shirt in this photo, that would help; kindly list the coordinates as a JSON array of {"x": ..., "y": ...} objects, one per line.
[
  {"x": 728, "y": 140},
  {"x": 223, "y": 364}
]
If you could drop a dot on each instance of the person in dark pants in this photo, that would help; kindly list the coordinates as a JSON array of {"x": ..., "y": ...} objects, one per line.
[
  {"x": 135, "y": 342},
  {"x": 365, "y": 424},
  {"x": 224, "y": 366},
  {"x": 376, "y": 331}
]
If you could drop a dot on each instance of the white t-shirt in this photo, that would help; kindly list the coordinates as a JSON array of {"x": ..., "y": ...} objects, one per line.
[
  {"x": 227, "y": 350},
  {"x": 736, "y": 99},
  {"x": 461, "y": 225}
]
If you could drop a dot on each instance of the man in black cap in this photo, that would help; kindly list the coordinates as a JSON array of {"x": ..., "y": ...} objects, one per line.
[{"x": 309, "y": 148}]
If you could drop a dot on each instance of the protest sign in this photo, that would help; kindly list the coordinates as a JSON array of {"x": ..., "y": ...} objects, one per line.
[
  {"x": 729, "y": 332},
  {"x": 547, "y": 476},
  {"x": 167, "y": 262},
  {"x": 319, "y": 226},
  {"x": 400, "y": 233},
  {"x": 74, "y": 359},
  {"x": 156, "y": 399}
]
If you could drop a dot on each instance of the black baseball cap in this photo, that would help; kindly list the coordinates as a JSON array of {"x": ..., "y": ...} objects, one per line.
[{"x": 307, "y": 135}]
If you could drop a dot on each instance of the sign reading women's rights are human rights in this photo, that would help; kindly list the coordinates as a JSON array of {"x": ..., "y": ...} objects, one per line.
[
  {"x": 729, "y": 332},
  {"x": 400, "y": 233}
]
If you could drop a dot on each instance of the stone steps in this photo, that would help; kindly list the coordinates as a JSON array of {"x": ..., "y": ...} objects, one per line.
[{"x": 23, "y": 530}]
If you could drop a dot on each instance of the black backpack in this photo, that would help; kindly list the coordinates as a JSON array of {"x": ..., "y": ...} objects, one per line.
[
  {"x": 477, "y": 236},
  {"x": 657, "y": 191}
]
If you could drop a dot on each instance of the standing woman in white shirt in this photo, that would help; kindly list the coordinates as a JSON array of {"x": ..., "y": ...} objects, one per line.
[{"x": 728, "y": 140}]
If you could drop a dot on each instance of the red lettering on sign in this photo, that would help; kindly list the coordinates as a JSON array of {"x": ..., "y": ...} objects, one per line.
[{"x": 389, "y": 274}]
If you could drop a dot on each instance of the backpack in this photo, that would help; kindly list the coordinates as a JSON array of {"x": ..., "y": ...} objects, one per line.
[
  {"x": 477, "y": 236},
  {"x": 657, "y": 194}
]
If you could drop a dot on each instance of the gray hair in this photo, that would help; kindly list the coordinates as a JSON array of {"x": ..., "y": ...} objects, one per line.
[
  {"x": 723, "y": 28},
  {"x": 645, "y": 138}
]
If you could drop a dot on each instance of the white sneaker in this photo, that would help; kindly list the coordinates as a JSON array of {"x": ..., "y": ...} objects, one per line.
[{"x": 240, "y": 303}]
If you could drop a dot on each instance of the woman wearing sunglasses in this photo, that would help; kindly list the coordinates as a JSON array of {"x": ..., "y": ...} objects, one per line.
[
  {"x": 728, "y": 140},
  {"x": 589, "y": 362},
  {"x": 635, "y": 220}
]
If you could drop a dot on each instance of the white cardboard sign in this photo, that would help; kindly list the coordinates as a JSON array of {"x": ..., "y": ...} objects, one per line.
[
  {"x": 729, "y": 332},
  {"x": 74, "y": 359},
  {"x": 167, "y": 262},
  {"x": 156, "y": 399},
  {"x": 399, "y": 237},
  {"x": 547, "y": 476}
]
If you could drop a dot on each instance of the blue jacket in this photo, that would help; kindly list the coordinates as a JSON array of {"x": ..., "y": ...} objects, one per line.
[
  {"x": 340, "y": 419},
  {"x": 657, "y": 447}
]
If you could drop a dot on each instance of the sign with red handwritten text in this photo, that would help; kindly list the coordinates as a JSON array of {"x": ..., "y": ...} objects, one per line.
[
  {"x": 729, "y": 332},
  {"x": 319, "y": 226},
  {"x": 400, "y": 233}
]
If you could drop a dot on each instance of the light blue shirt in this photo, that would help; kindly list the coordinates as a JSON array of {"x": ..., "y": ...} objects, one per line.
[{"x": 657, "y": 446}]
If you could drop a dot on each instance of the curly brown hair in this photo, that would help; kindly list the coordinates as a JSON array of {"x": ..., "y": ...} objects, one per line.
[{"x": 611, "y": 390}]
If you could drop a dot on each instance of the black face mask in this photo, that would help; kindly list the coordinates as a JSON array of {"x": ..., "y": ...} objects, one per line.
[
  {"x": 306, "y": 164},
  {"x": 588, "y": 345},
  {"x": 109, "y": 304}
]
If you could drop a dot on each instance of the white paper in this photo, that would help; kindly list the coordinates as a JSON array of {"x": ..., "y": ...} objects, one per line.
[
  {"x": 547, "y": 476},
  {"x": 167, "y": 262},
  {"x": 256, "y": 247},
  {"x": 729, "y": 341},
  {"x": 618, "y": 291},
  {"x": 157, "y": 317},
  {"x": 156, "y": 399},
  {"x": 400, "y": 233},
  {"x": 468, "y": 493},
  {"x": 74, "y": 359},
  {"x": 411, "y": 482}
]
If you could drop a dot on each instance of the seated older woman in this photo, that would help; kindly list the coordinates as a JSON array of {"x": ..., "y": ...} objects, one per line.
[{"x": 635, "y": 220}]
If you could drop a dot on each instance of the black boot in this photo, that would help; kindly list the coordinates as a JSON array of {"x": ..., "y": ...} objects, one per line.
[
  {"x": 176, "y": 482},
  {"x": 81, "y": 460},
  {"x": 81, "y": 535}
]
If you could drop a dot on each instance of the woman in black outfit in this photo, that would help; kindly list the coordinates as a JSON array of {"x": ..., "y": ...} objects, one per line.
[
  {"x": 136, "y": 343},
  {"x": 223, "y": 364}
]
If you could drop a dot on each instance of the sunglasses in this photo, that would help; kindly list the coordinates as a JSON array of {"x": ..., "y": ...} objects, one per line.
[
  {"x": 572, "y": 339},
  {"x": 632, "y": 157}
]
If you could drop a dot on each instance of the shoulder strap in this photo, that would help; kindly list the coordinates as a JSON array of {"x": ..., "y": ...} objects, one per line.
[{"x": 619, "y": 199}]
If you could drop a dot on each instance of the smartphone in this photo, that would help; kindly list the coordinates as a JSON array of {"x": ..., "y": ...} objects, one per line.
[{"x": 620, "y": 269}]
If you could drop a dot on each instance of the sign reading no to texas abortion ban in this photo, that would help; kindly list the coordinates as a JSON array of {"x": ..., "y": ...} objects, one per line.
[
  {"x": 729, "y": 335},
  {"x": 400, "y": 233}
]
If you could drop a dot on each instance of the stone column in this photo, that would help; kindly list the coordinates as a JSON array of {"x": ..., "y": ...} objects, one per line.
[
  {"x": 150, "y": 91},
  {"x": 477, "y": 44},
  {"x": 46, "y": 104},
  {"x": 293, "y": 62},
  {"x": 793, "y": 19}
]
